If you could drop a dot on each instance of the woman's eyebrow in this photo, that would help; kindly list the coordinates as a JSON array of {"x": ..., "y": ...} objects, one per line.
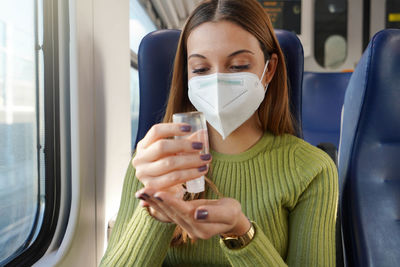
[
  {"x": 240, "y": 52},
  {"x": 196, "y": 55},
  {"x": 231, "y": 55}
]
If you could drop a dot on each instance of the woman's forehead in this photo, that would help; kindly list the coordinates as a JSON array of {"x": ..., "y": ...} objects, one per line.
[{"x": 220, "y": 37}]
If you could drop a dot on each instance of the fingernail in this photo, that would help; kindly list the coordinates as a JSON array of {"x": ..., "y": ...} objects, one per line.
[
  {"x": 143, "y": 196},
  {"x": 201, "y": 214},
  {"x": 202, "y": 168},
  {"x": 205, "y": 156},
  {"x": 197, "y": 145},
  {"x": 186, "y": 128},
  {"x": 159, "y": 199}
]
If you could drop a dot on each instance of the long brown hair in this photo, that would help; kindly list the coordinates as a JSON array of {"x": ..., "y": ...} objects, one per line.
[{"x": 274, "y": 113}]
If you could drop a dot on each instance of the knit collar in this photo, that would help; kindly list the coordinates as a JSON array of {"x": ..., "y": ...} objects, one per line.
[{"x": 253, "y": 151}]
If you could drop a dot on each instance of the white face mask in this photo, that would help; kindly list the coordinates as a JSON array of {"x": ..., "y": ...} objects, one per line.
[{"x": 227, "y": 99}]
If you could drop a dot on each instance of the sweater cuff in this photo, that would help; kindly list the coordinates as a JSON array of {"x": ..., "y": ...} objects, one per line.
[
  {"x": 153, "y": 235},
  {"x": 144, "y": 238},
  {"x": 259, "y": 252}
]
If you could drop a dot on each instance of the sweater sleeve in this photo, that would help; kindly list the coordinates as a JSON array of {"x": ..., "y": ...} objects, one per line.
[
  {"x": 137, "y": 239},
  {"x": 259, "y": 252},
  {"x": 312, "y": 221}
]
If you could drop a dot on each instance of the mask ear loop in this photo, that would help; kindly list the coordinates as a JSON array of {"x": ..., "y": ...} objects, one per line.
[{"x": 262, "y": 76}]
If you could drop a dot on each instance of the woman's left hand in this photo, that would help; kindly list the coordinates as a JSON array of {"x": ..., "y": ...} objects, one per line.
[{"x": 201, "y": 218}]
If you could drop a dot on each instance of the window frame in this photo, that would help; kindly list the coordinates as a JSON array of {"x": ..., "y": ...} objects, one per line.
[
  {"x": 134, "y": 60},
  {"x": 29, "y": 253},
  {"x": 135, "y": 66}
]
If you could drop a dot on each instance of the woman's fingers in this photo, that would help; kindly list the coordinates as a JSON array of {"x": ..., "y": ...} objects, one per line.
[
  {"x": 178, "y": 210},
  {"x": 206, "y": 218},
  {"x": 182, "y": 213},
  {"x": 174, "y": 178},
  {"x": 173, "y": 163},
  {"x": 166, "y": 147},
  {"x": 201, "y": 218},
  {"x": 161, "y": 162},
  {"x": 225, "y": 211},
  {"x": 163, "y": 131},
  {"x": 149, "y": 202}
]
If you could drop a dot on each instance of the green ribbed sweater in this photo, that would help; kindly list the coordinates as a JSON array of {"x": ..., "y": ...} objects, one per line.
[{"x": 287, "y": 187}]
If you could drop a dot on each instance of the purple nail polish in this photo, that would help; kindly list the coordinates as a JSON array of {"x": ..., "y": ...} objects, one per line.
[
  {"x": 159, "y": 199},
  {"x": 197, "y": 145},
  {"x": 202, "y": 168},
  {"x": 186, "y": 128},
  {"x": 205, "y": 156},
  {"x": 144, "y": 196},
  {"x": 201, "y": 214}
]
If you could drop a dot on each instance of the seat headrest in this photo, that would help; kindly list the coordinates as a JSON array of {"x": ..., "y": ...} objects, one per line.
[{"x": 372, "y": 101}]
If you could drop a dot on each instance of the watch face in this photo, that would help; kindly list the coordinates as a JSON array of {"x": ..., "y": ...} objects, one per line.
[
  {"x": 232, "y": 243},
  {"x": 236, "y": 242}
]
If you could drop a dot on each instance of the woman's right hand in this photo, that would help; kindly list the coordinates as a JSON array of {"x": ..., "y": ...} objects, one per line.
[{"x": 164, "y": 164}]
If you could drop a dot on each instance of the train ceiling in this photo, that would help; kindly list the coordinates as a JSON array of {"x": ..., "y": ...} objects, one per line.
[{"x": 169, "y": 14}]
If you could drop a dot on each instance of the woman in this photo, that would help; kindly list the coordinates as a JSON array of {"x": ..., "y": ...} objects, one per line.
[{"x": 280, "y": 193}]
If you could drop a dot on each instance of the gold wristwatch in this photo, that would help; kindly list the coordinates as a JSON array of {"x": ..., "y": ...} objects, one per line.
[{"x": 236, "y": 242}]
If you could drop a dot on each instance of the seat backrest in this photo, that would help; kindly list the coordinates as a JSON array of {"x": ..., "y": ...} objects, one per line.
[
  {"x": 294, "y": 56},
  {"x": 155, "y": 63},
  {"x": 323, "y": 96},
  {"x": 369, "y": 152}
]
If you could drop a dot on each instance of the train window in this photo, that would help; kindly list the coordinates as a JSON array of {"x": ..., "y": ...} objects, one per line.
[
  {"x": 393, "y": 14},
  {"x": 19, "y": 131},
  {"x": 330, "y": 33},
  {"x": 134, "y": 104},
  {"x": 28, "y": 137},
  {"x": 139, "y": 24},
  {"x": 284, "y": 14}
]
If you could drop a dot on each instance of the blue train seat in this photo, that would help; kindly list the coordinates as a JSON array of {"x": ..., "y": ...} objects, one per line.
[
  {"x": 369, "y": 152},
  {"x": 155, "y": 61},
  {"x": 155, "y": 64},
  {"x": 323, "y": 96}
]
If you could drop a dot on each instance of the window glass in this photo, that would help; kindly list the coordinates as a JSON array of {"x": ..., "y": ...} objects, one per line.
[
  {"x": 335, "y": 51},
  {"x": 393, "y": 14},
  {"x": 139, "y": 24},
  {"x": 2, "y": 34},
  {"x": 134, "y": 104},
  {"x": 19, "y": 157},
  {"x": 284, "y": 14},
  {"x": 330, "y": 33}
]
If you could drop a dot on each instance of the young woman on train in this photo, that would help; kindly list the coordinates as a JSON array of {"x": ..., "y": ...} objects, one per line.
[{"x": 277, "y": 198}]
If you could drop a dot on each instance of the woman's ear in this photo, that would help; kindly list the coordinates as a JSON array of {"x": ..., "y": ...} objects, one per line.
[{"x": 269, "y": 74}]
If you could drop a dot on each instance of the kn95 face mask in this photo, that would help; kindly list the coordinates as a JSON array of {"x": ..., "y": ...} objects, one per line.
[{"x": 227, "y": 99}]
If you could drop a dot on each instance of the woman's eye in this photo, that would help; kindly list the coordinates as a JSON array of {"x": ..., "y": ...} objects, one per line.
[
  {"x": 199, "y": 70},
  {"x": 240, "y": 67}
]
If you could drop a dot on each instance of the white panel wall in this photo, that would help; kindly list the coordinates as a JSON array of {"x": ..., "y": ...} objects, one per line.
[
  {"x": 100, "y": 126},
  {"x": 378, "y": 13},
  {"x": 112, "y": 116}
]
